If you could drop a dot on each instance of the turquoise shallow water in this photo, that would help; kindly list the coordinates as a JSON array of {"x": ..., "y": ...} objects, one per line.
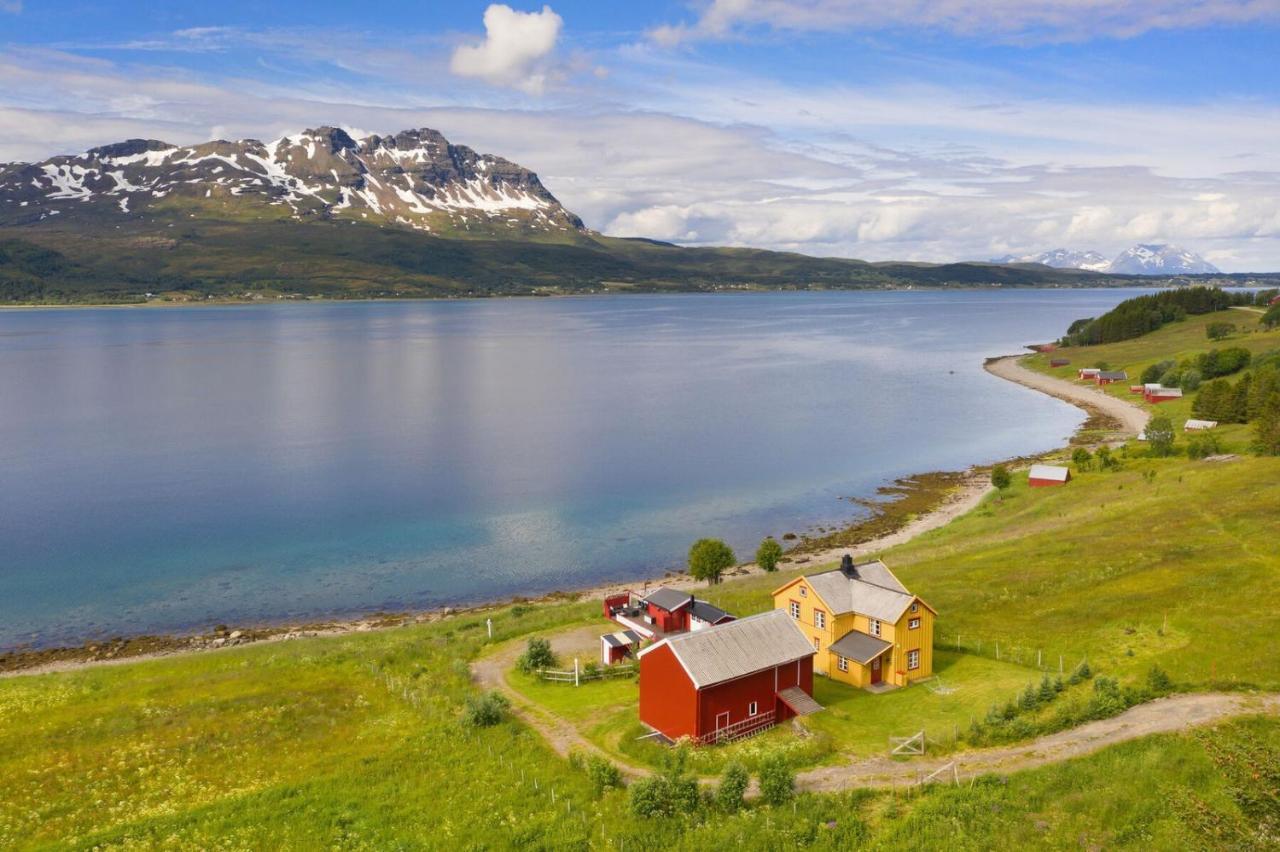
[{"x": 172, "y": 468}]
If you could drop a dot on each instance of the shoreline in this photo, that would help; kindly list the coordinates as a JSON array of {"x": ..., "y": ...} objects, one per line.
[{"x": 959, "y": 493}]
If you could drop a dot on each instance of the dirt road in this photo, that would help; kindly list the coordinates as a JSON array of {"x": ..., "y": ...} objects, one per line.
[{"x": 1089, "y": 397}]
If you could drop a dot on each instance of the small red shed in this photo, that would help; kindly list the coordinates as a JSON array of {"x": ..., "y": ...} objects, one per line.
[
  {"x": 729, "y": 681},
  {"x": 1156, "y": 393},
  {"x": 616, "y": 647}
]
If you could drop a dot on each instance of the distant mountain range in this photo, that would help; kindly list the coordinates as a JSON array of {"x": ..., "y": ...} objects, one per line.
[
  {"x": 1145, "y": 259},
  {"x": 321, "y": 213}
]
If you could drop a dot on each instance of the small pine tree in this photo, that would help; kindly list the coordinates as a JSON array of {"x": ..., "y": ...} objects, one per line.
[
  {"x": 733, "y": 784},
  {"x": 1047, "y": 692},
  {"x": 777, "y": 781}
]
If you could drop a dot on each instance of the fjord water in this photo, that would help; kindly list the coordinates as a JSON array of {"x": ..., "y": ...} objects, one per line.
[{"x": 166, "y": 469}]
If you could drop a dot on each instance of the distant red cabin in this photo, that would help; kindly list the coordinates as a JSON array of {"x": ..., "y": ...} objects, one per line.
[
  {"x": 729, "y": 681},
  {"x": 1059, "y": 362},
  {"x": 1111, "y": 377},
  {"x": 1161, "y": 394},
  {"x": 1048, "y": 474}
]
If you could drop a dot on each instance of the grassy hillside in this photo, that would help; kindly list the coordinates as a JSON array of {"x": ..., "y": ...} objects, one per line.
[
  {"x": 356, "y": 741},
  {"x": 195, "y": 256}
]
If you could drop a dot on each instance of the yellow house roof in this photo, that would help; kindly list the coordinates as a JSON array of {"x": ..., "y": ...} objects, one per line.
[{"x": 874, "y": 591}]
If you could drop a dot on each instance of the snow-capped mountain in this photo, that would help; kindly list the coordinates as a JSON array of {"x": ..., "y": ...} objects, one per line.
[
  {"x": 1062, "y": 259},
  {"x": 1152, "y": 259},
  {"x": 1160, "y": 259},
  {"x": 415, "y": 178}
]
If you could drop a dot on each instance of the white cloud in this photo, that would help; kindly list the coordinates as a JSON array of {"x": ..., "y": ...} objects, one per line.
[
  {"x": 514, "y": 48},
  {"x": 1019, "y": 20}
]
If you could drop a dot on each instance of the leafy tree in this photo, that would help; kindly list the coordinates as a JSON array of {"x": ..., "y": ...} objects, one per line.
[
  {"x": 777, "y": 781},
  {"x": 768, "y": 554},
  {"x": 1083, "y": 458},
  {"x": 733, "y": 784},
  {"x": 485, "y": 710},
  {"x": 1223, "y": 362},
  {"x": 1190, "y": 379},
  {"x": 1266, "y": 380},
  {"x": 1267, "y": 428},
  {"x": 1160, "y": 436},
  {"x": 1106, "y": 461},
  {"x": 1212, "y": 400},
  {"x": 709, "y": 558},
  {"x": 1000, "y": 477},
  {"x": 1155, "y": 371},
  {"x": 1271, "y": 318},
  {"x": 537, "y": 655},
  {"x": 1219, "y": 330}
]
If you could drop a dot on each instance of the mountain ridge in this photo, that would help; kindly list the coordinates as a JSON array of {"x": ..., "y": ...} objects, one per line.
[{"x": 1141, "y": 259}]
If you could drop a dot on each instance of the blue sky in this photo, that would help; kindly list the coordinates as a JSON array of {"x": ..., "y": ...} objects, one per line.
[{"x": 901, "y": 129}]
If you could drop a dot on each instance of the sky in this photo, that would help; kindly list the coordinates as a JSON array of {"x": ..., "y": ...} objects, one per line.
[{"x": 924, "y": 130}]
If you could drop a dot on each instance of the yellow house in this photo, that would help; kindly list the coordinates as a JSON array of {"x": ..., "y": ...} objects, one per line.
[{"x": 865, "y": 626}]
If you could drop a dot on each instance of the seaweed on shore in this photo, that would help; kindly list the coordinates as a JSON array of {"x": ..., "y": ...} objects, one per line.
[{"x": 895, "y": 506}]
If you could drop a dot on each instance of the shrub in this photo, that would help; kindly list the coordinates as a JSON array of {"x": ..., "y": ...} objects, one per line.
[
  {"x": 651, "y": 798},
  {"x": 485, "y": 710},
  {"x": 1155, "y": 371},
  {"x": 1000, "y": 477},
  {"x": 1219, "y": 330},
  {"x": 1223, "y": 362},
  {"x": 777, "y": 781},
  {"x": 1203, "y": 445},
  {"x": 1083, "y": 458},
  {"x": 768, "y": 554},
  {"x": 1106, "y": 460},
  {"x": 709, "y": 558},
  {"x": 603, "y": 775},
  {"x": 667, "y": 794},
  {"x": 1271, "y": 318},
  {"x": 537, "y": 655},
  {"x": 733, "y": 784},
  {"x": 1158, "y": 681}
]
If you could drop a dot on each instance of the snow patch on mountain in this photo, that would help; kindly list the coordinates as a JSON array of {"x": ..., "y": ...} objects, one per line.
[{"x": 1145, "y": 259}]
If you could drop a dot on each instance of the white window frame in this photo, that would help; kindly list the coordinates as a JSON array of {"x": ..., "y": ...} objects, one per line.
[
  {"x": 913, "y": 659},
  {"x": 841, "y": 663},
  {"x": 794, "y": 608},
  {"x": 804, "y": 592},
  {"x": 913, "y": 624},
  {"x": 817, "y": 644},
  {"x": 915, "y": 607},
  {"x": 873, "y": 626},
  {"x": 753, "y": 709},
  {"x": 820, "y": 619}
]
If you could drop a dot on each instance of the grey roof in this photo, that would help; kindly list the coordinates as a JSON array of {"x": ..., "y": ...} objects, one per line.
[
  {"x": 622, "y": 637},
  {"x": 738, "y": 648},
  {"x": 1113, "y": 374},
  {"x": 668, "y": 599},
  {"x": 1054, "y": 472},
  {"x": 875, "y": 592},
  {"x": 799, "y": 701},
  {"x": 859, "y": 647},
  {"x": 708, "y": 612}
]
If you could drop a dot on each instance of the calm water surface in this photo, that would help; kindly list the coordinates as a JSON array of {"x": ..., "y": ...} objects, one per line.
[{"x": 172, "y": 468}]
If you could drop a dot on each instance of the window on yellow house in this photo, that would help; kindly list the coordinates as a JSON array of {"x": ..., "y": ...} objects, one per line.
[
  {"x": 804, "y": 593},
  {"x": 819, "y": 619},
  {"x": 842, "y": 664},
  {"x": 873, "y": 627},
  {"x": 913, "y": 660},
  {"x": 795, "y": 610},
  {"x": 913, "y": 624}
]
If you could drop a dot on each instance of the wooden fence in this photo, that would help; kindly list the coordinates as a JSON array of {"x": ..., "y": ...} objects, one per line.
[{"x": 578, "y": 674}]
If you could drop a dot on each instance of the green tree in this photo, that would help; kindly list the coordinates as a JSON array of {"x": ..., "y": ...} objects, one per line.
[
  {"x": 1000, "y": 477},
  {"x": 1271, "y": 318},
  {"x": 667, "y": 793},
  {"x": 709, "y": 558},
  {"x": 1267, "y": 428},
  {"x": 777, "y": 781},
  {"x": 1083, "y": 458},
  {"x": 1106, "y": 461},
  {"x": 537, "y": 655},
  {"x": 733, "y": 784},
  {"x": 768, "y": 554},
  {"x": 1160, "y": 436},
  {"x": 1219, "y": 330}
]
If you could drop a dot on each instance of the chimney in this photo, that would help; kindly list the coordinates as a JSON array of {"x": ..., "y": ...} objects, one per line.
[{"x": 847, "y": 567}]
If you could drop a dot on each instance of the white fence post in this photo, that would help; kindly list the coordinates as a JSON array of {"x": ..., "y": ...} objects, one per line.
[
  {"x": 489, "y": 623},
  {"x": 576, "y": 682}
]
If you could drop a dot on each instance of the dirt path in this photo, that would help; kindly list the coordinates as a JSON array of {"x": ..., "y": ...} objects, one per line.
[
  {"x": 1089, "y": 397},
  {"x": 1166, "y": 715},
  {"x": 490, "y": 672}
]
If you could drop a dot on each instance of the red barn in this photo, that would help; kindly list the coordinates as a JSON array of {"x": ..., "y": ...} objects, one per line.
[
  {"x": 1156, "y": 393},
  {"x": 728, "y": 681},
  {"x": 1110, "y": 377}
]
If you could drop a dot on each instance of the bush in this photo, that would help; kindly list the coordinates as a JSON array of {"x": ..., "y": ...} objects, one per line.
[
  {"x": 603, "y": 775},
  {"x": 1106, "y": 460},
  {"x": 777, "y": 781},
  {"x": 1219, "y": 330},
  {"x": 668, "y": 794},
  {"x": 1203, "y": 445},
  {"x": 485, "y": 710},
  {"x": 1083, "y": 458},
  {"x": 733, "y": 784},
  {"x": 537, "y": 655},
  {"x": 1158, "y": 681},
  {"x": 768, "y": 554},
  {"x": 1000, "y": 477}
]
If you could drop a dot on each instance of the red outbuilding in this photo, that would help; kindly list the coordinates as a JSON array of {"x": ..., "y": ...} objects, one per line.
[
  {"x": 728, "y": 681},
  {"x": 1157, "y": 393},
  {"x": 1048, "y": 474}
]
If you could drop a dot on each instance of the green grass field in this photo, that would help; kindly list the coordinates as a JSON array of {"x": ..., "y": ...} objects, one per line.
[{"x": 355, "y": 742}]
